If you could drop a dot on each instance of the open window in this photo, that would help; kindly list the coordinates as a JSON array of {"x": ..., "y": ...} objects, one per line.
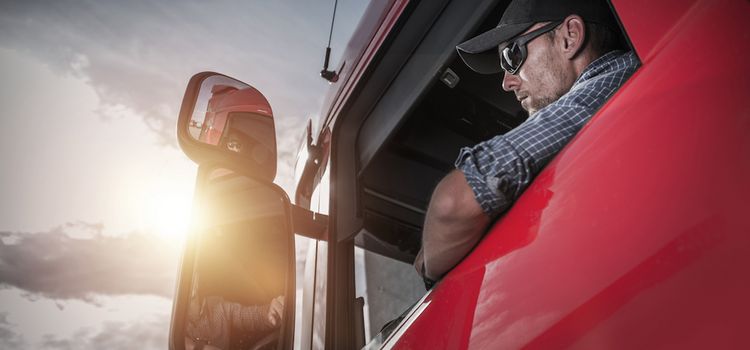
[{"x": 409, "y": 141}]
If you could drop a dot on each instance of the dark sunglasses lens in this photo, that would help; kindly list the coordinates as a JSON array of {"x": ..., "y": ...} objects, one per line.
[{"x": 511, "y": 58}]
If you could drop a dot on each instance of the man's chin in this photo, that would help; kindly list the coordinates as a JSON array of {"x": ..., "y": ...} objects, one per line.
[
  {"x": 525, "y": 107},
  {"x": 536, "y": 108}
]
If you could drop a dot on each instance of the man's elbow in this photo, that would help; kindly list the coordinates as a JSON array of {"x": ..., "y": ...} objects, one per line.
[{"x": 454, "y": 201}]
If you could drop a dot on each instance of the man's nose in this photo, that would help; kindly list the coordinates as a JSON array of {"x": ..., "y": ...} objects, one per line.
[{"x": 510, "y": 81}]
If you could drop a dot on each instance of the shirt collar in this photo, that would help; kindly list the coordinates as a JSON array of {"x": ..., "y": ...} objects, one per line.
[{"x": 598, "y": 66}]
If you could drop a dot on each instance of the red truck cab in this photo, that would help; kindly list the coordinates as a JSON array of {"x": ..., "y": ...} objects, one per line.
[{"x": 636, "y": 235}]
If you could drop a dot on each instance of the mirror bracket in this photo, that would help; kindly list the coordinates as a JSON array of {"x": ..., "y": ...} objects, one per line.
[{"x": 309, "y": 224}]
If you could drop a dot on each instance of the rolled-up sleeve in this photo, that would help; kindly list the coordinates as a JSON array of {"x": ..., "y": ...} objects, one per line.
[{"x": 499, "y": 169}]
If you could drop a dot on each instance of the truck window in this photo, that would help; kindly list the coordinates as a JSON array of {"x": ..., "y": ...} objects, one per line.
[
  {"x": 399, "y": 181},
  {"x": 389, "y": 287},
  {"x": 396, "y": 183}
]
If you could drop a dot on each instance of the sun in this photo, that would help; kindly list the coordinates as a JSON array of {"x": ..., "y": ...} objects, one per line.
[{"x": 168, "y": 211}]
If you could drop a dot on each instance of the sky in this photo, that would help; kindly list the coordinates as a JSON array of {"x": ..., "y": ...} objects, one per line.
[{"x": 95, "y": 195}]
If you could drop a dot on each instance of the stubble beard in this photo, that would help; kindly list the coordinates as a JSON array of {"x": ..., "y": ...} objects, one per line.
[{"x": 554, "y": 76}]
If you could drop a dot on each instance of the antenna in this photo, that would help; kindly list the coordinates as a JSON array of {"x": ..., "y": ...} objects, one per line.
[{"x": 329, "y": 75}]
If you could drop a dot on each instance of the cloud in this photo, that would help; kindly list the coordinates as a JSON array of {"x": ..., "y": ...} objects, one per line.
[
  {"x": 9, "y": 338},
  {"x": 114, "y": 336},
  {"x": 140, "y": 54},
  {"x": 149, "y": 334},
  {"x": 59, "y": 265}
]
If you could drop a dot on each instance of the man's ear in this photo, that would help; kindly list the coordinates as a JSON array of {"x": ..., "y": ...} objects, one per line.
[{"x": 573, "y": 32}]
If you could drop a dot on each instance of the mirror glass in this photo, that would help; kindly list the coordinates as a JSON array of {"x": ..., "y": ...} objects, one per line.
[
  {"x": 235, "y": 117},
  {"x": 241, "y": 266}
]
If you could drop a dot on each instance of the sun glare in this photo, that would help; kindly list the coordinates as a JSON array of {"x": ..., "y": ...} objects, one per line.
[{"x": 168, "y": 212}]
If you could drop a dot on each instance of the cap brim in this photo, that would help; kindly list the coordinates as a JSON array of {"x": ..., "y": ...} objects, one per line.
[{"x": 480, "y": 53}]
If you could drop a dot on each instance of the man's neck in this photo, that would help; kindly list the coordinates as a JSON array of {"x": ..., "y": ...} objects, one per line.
[{"x": 582, "y": 60}]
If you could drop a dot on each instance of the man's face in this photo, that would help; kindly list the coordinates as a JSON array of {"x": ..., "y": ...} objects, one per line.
[{"x": 543, "y": 77}]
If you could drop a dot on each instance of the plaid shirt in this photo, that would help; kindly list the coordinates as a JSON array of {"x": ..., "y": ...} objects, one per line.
[{"x": 499, "y": 169}]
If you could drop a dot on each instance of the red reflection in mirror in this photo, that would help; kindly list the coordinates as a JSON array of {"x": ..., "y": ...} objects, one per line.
[{"x": 224, "y": 100}]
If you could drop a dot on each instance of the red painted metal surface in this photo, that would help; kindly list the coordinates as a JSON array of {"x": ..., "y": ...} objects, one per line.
[{"x": 637, "y": 235}]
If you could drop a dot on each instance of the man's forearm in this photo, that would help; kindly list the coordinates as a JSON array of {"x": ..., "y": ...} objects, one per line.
[
  {"x": 445, "y": 244},
  {"x": 453, "y": 225}
]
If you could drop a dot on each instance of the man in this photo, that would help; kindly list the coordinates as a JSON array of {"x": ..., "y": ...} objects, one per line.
[{"x": 561, "y": 60}]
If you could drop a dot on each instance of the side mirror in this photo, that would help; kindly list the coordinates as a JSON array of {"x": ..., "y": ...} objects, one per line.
[
  {"x": 225, "y": 121},
  {"x": 235, "y": 288}
]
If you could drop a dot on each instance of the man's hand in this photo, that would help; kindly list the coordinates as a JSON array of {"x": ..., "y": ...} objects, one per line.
[{"x": 275, "y": 311}]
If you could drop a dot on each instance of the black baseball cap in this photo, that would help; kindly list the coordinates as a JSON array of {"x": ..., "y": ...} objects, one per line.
[{"x": 480, "y": 53}]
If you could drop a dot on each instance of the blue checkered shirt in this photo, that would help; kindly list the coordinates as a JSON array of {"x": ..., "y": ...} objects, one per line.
[{"x": 499, "y": 169}]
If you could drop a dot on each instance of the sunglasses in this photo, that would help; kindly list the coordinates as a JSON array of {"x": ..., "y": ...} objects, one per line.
[{"x": 513, "y": 55}]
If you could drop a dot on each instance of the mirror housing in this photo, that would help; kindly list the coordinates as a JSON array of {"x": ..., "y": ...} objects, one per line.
[
  {"x": 237, "y": 266},
  {"x": 225, "y": 121}
]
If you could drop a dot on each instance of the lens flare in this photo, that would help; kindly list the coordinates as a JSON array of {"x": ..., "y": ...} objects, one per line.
[{"x": 168, "y": 211}]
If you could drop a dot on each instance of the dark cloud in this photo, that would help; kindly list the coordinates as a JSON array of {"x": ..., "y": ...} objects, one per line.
[
  {"x": 9, "y": 338},
  {"x": 140, "y": 54},
  {"x": 114, "y": 336},
  {"x": 55, "y": 265}
]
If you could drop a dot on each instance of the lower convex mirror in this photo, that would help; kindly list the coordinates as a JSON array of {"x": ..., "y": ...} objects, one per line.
[{"x": 237, "y": 270}]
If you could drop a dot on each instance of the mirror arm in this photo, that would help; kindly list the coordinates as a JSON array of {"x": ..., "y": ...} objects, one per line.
[{"x": 309, "y": 224}]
